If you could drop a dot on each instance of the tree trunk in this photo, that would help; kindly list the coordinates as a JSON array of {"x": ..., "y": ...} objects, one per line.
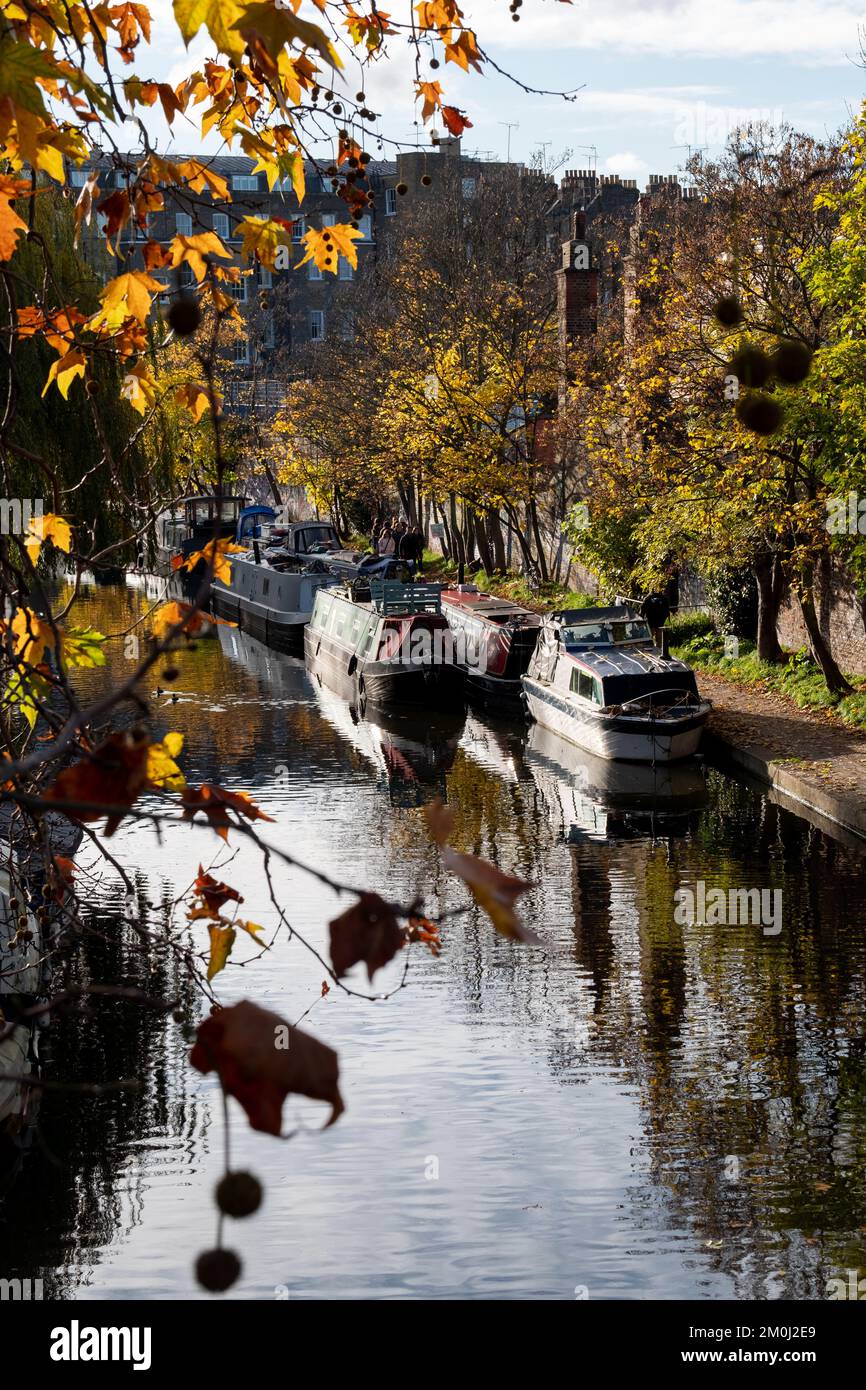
[
  {"x": 458, "y": 550},
  {"x": 767, "y": 571},
  {"x": 272, "y": 484},
  {"x": 497, "y": 540},
  {"x": 484, "y": 551},
  {"x": 539, "y": 542},
  {"x": 836, "y": 682}
]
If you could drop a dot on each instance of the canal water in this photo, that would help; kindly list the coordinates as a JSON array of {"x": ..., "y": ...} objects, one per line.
[{"x": 642, "y": 1108}]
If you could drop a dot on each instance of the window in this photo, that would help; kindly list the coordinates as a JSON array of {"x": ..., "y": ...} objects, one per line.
[
  {"x": 78, "y": 177},
  {"x": 585, "y": 686},
  {"x": 266, "y": 278},
  {"x": 366, "y": 226},
  {"x": 238, "y": 291},
  {"x": 245, "y": 182},
  {"x": 268, "y": 332},
  {"x": 183, "y": 224},
  {"x": 241, "y": 351},
  {"x": 390, "y": 202},
  {"x": 317, "y": 325},
  {"x": 221, "y": 225},
  {"x": 313, "y": 271},
  {"x": 346, "y": 272},
  {"x": 298, "y": 229},
  {"x": 468, "y": 188},
  {"x": 340, "y": 624}
]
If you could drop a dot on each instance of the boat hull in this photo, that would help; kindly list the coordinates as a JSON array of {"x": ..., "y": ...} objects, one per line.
[
  {"x": 436, "y": 685},
  {"x": 619, "y": 737},
  {"x": 282, "y": 631}
]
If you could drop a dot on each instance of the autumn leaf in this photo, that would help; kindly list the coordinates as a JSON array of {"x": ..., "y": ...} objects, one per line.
[
  {"x": 214, "y": 553},
  {"x": 196, "y": 400},
  {"x": 162, "y": 770},
  {"x": 431, "y": 92},
  {"x": 47, "y": 528},
  {"x": 222, "y": 939},
  {"x": 128, "y": 295},
  {"x": 421, "y": 929},
  {"x": 493, "y": 890},
  {"x": 279, "y": 28},
  {"x": 214, "y": 894},
  {"x": 455, "y": 120},
  {"x": 218, "y": 18},
  {"x": 64, "y": 871},
  {"x": 34, "y": 637},
  {"x": 114, "y": 774},
  {"x": 215, "y": 803},
  {"x": 262, "y": 237},
  {"x": 83, "y": 647},
  {"x": 260, "y": 1059},
  {"x": 194, "y": 249},
  {"x": 369, "y": 932},
  {"x": 326, "y": 246},
  {"x": 170, "y": 615},
  {"x": 139, "y": 388},
  {"x": 11, "y": 225},
  {"x": 64, "y": 371}
]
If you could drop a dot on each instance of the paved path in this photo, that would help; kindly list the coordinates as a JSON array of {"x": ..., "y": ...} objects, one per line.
[{"x": 809, "y": 755}]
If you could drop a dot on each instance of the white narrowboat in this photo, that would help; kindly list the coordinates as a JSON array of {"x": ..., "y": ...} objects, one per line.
[{"x": 597, "y": 680}]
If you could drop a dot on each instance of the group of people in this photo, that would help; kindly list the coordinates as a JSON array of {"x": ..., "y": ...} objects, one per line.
[{"x": 400, "y": 541}]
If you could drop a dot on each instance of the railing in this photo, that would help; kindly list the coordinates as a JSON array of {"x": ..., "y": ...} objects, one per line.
[{"x": 392, "y": 596}]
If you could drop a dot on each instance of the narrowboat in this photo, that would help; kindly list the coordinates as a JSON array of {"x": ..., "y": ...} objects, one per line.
[
  {"x": 494, "y": 641},
  {"x": 383, "y": 644},
  {"x": 188, "y": 526},
  {"x": 597, "y": 680},
  {"x": 271, "y": 595}
]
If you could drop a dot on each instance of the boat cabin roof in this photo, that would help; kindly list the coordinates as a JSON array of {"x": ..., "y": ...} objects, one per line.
[
  {"x": 390, "y": 597},
  {"x": 485, "y": 605}
]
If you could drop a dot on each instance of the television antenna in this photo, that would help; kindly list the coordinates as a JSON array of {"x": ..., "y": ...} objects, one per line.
[{"x": 510, "y": 125}]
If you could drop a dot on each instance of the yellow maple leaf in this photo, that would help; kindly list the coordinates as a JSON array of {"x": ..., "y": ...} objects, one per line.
[
  {"x": 162, "y": 770},
  {"x": 215, "y": 553},
  {"x": 326, "y": 246},
  {"x": 33, "y": 636},
  {"x": 263, "y": 238},
  {"x": 432, "y": 95},
  {"x": 195, "y": 399},
  {"x": 278, "y": 28},
  {"x": 64, "y": 371},
  {"x": 217, "y": 16},
  {"x": 47, "y": 528},
  {"x": 139, "y": 388},
  {"x": 128, "y": 295},
  {"x": 193, "y": 250}
]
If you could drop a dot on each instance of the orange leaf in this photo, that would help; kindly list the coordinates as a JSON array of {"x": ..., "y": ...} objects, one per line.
[
  {"x": 11, "y": 225},
  {"x": 455, "y": 120},
  {"x": 114, "y": 774},
  {"x": 215, "y": 803}
]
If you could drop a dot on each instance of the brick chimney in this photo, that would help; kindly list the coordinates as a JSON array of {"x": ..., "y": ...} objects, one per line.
[{"x": 576, "y": 287}]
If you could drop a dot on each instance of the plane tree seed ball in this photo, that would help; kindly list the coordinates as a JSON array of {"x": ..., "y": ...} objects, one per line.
[
  {"x": 184, "y": 316},
  {"x": 751, "y": 365},
  {"x": 426, "y": 180},
  {"x": 217, "y": 1270},
  {"x": 728, "y": 312},
  {"x": 759, "y": 413},
  {"x": 239, "y": 1194},
  {"x": 402, "y": 189},
  {"x": 791, "y": 362}
]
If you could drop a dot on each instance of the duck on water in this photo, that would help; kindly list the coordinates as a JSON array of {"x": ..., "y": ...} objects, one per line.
[{"x": 597, "y": 680}]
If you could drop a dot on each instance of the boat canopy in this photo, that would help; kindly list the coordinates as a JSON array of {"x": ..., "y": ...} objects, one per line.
[
  {"x": 393, "y": 597},
  {"x": 628, "y": 673},
  {"x": 250, "y": 521}
]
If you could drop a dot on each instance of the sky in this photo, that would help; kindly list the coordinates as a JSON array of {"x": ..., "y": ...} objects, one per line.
[{"x": 652, "y": 78}]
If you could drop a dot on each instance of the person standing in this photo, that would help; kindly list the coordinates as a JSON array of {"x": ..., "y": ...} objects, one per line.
[{"x": 387, "y": 545}]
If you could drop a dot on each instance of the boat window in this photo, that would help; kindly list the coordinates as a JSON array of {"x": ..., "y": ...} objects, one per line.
[
  {"x": 319, "y": 538},
  {"x": 266, "y": 584},
  {"x": 585, "y": 632},
  {"x": 630, "y": 632},
  {"x": 355, "y": 632},
  {"x": 340, "y": 624},
  {"x": 585, "y": 686}
]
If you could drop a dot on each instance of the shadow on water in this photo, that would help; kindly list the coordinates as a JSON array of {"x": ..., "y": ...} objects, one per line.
[{"x": 648, "y": 1107}]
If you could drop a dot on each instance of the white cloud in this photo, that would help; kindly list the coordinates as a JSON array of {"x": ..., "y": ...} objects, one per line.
[
  {"x": 806, "y": 30},
  {"x": 627, "y": 165}
]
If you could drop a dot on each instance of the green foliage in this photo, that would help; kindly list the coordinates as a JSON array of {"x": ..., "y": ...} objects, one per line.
[
  {"x": 733, "y": 597},
  {"x": 799, "y": 679}
]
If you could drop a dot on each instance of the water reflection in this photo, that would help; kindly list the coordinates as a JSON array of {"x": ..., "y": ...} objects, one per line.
[{"x": 644, "y": 1108}]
